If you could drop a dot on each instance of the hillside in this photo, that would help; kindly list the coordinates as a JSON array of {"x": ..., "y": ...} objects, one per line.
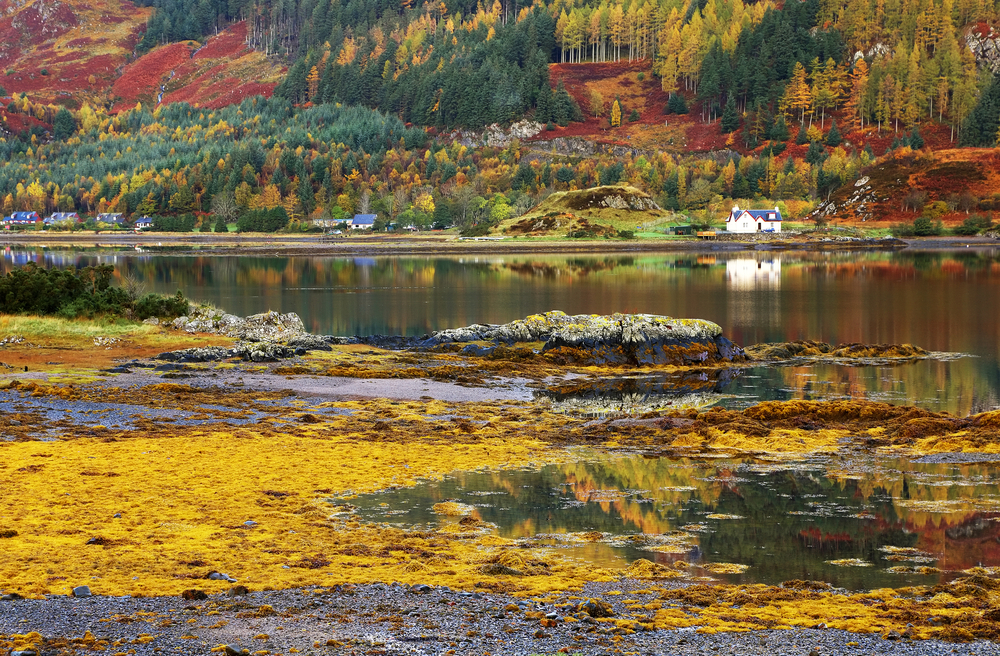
[
  {"x": 599, "y": 211},
  {"x": 222, "y": 71},
  {"x": 898, "y": 189},
  {"x": 66, "y": 52}
]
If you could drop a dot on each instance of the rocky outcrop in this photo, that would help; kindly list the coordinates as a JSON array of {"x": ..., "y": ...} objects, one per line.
[
  {"x": 863, "y": 353},
  {"x": 982, "y": 41},
  {"x": 617, "y": 339},
  {"x": 269, "y": 326}
]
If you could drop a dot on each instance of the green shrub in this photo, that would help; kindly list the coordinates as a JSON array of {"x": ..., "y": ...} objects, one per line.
[
  {"x": 923, "y": 226},
  {"x": 73, "y": 293},
  {"x": 973, "y": 225}
]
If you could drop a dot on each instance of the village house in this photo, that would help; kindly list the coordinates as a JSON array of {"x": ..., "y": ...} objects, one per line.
[
  {"x": 143, "y": 223},
  {"x": 60, "y": 217},
  {"x": 116, "y": 218},
  {"x": 753, "y": 220},
  {"x": 23, "y": 219},
  {"x": 363, "y": 221}
]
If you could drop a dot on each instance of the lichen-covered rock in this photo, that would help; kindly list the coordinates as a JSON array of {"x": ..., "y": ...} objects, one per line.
[
  {"x": 263, "y": 351},
  {"x": 201, "y": 354},
  {"x": 270, "y": 326},
  {"x": 617, "y": 339}
]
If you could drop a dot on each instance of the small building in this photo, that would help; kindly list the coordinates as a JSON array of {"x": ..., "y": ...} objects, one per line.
[
  {"x": 116, "y": 218},
  {"x": 143, "y": 223},
  {"x": 23, "y": 219},
  {"x": 363, "y": 221},
  {"x": 753, "y": 220},
  {"x": 682, "y": 230},
  {"x": 62, "y": 217}
]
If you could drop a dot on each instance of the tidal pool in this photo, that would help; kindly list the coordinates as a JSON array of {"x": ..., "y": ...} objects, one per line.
[{"x": 857, "y": 521}]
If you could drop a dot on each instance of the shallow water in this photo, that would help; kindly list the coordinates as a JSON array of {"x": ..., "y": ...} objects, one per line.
[
  {"x": 783, "y": 519},
  {"x": 941, "y": 301}
]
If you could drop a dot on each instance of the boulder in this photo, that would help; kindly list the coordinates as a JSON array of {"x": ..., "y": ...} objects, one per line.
[{"x": 270, "y": 326}]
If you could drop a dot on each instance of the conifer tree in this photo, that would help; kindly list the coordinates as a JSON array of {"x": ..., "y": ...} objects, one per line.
[
  {"x": 730, "y": 118},
  {"x": 833, "y": 137}
]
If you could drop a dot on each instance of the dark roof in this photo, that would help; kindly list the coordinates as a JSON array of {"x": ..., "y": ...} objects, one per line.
[{"x": 364, "y": 219}]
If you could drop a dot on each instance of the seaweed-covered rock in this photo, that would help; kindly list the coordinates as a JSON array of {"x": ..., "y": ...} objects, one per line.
[
  {"x": 626, "y": 339},
  {"x": 814, "y": 349},
  {"x": 309, "y": 343}
]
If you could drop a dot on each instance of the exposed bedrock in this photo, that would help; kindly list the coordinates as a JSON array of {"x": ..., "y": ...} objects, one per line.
[{"x": 616, "y": 339}]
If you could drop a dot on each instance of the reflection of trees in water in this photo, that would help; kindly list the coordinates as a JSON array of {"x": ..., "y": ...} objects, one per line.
[{"x": 794, "y": 518}]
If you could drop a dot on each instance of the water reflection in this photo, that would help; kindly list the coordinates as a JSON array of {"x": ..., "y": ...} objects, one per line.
[
  {"x": 783, "y": 520},
  {"x": 941, "y": 301}
]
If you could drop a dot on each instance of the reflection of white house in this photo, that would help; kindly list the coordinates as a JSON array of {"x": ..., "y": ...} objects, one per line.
[
  {"x": 753, "y": 220},
  {"x": 749, "y": 273}
]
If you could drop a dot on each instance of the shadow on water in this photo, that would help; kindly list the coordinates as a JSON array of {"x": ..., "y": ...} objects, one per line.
[{"x": 858, "y": 522}]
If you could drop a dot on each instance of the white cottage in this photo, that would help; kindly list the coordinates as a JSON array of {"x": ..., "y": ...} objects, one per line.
[{"x": 753, "y": 220}]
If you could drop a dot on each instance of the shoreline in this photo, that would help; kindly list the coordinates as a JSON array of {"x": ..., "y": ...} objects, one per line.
[{"x": 389, "y": 245}]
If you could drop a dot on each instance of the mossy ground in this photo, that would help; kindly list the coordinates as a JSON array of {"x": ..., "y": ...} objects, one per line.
[{"x": 185, "y": 492}]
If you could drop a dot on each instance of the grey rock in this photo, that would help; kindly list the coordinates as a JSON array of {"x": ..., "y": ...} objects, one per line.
[
  {"x": 219, "y": 576},
  {"x": 152, "y": 321},
  {"x": 117, "y": 515},
  {"x": 10, "y": 596},
  {"x": 420, "y": 588},
  {"x": 82, "y": 591},
  {"x": 270, "y": 326},
  {"x": 24, "y": 652},
  {"x": 233, "y": 651},
  {"x": 249, "y": 523},
  {"x": 309, "y": 343}
]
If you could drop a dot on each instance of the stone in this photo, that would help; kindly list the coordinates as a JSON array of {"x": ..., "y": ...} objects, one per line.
[
  {"x": 270, "y": 326},
  {"x": 117, "y": 515},
  {"x": 10, "y": 596},
  {"x": 250, "y": 523},
  {"x": 238, "y": 591},
  {"x": 420, "y": 588},
  {"x": 235, "y": 651},
  {"x": 309, "y": 343},
  {"x": 194, "y": 595},
  {"x": 152, "y": 321},
  {"x": 219, "y": 576},
  {"x": 81, "y": 591},
  {"x": 24, "y": 652}
]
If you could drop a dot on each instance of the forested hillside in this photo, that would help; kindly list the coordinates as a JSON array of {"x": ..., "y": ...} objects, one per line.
[{"x": 802, "y": 96}]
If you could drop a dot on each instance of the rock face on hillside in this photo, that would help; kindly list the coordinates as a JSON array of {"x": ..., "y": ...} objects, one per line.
[{"x": 617, "y": 339}]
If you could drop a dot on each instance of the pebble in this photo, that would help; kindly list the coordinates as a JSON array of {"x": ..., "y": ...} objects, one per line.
[
  {"x": 219, "y": 576},
  {"x": 24, "y": 652},
  {"x": 467, "y": 620},
  {"x": 250, "y": 523}
]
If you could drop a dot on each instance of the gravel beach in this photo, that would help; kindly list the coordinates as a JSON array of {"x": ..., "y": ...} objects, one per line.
[{"x": 397, "y": 619}]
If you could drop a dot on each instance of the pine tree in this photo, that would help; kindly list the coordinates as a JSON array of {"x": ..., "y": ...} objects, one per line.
[
  {"x": 833, "y": 137},
  {"x": 730, "y": 118}
]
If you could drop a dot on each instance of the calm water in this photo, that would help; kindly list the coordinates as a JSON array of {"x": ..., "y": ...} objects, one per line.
[
  {"x": 943, "y": 301},
  {"x": 782, "y": 520}
]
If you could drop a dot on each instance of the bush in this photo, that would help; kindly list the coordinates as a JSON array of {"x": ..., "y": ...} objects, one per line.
[
  {"x": 73, "y": 293},
  {"x": 923, "y": 226},
  {"x": 641, "y": 76},
  {"x": 157, "y": 305},
  {"x": 973, "y": 225}
]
